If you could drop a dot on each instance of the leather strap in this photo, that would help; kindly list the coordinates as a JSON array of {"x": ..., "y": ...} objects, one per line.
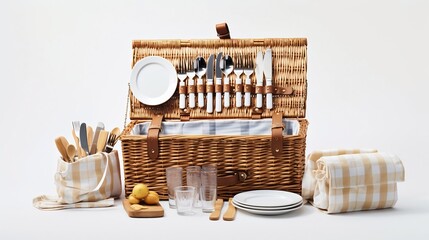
[
  {"x": 279, "y": 90},
  {"x": 248, "y": 88},
  {"x": 277, "y": 134},
  {"x": 222, "y": 31},
  {"x": 226, "y": 88},
  {"x": 182, "y": 89},
  {"x": 191, "y": 88},
  {"x": 209, "y": 88},
  {"x": 239, "y": 88},
  {"x": 233, "y": 179},
  {"x": 200, "y": 88},
  {"x": 260, "y": 89},
  {"x": 152, "y": 136}
]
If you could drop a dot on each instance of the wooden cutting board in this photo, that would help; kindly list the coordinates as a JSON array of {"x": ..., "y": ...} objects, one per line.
[{"x": 151, "y": 211}]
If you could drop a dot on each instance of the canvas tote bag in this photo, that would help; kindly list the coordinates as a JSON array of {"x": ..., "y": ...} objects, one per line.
[{"x": 92, "y": 181}]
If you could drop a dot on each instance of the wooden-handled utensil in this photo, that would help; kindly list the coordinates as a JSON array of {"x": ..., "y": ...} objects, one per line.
[
  {"x": 229, "y": 215},
  {"x": 59, "y": 141},
  {"x": 71, "y": 152},
  {"x": 102, "y": 139},
  {"x": 93, "y": 149},
  {"x": 90, "y": 137},
  {"x": 76, "y": 133},
  {"x": 215, "y": 215}
]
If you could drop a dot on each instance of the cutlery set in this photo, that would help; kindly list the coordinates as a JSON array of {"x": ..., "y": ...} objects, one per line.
[
  {"x": 86, "y": 141},
  {"x": 214, "y": 81}
]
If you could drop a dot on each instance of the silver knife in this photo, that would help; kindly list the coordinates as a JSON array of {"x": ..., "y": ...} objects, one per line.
[
  {"x": 84, "y": 139},
  {"x": 259, "y": 72},
  {"x": 209, "y": 75},
  {"x": 100, "y": 126},
  {"x": 268, "y": 71},
  {"x": 218, "y": 82}
]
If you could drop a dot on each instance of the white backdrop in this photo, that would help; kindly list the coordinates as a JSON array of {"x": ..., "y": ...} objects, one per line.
[{"x": 368, "y": 80}]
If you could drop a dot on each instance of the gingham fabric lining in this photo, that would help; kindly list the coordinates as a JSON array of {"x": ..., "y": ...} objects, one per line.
[{"x": 219, "y": 127}]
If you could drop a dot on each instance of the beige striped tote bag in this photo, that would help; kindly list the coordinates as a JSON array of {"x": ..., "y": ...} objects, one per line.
[{"x": 93, "y": 181}]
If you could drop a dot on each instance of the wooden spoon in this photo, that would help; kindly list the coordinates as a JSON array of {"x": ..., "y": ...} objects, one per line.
[
  {"x": 61, "y": 147},
  {"x": 116, "y": 131},
  {"x": 71, "y": 152}
]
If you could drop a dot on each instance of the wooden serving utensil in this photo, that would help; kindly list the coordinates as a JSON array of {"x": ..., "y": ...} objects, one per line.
[
  {"x": 215, "y": 215},
  {"x": 71, "y": 152},
  {"x": 77, "y": 141},
  {"x": 229, "y": 215},
  {"x": 62, "y": 148},
  {"x": 90, "y": 136},
  {"x": 102, "y": 139}
]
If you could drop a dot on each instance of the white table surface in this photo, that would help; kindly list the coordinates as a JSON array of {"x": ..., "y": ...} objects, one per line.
[{"x": 368, "y": 81}]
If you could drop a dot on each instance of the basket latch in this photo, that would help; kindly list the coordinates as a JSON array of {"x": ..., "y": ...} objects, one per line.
[
  {"x": 152, "y": 136},
  {"x": 237, "y": 176},
  {"x": 277, "y": 134}
]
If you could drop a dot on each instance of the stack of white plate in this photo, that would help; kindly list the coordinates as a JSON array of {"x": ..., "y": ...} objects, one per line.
[{"x": 267, "y": 202}]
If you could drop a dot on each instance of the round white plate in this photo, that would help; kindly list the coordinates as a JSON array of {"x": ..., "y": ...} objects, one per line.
[
  {"x": 153, "y": 80},
  {"x": 267, "y": 198},
  {"x": 268, "y": 208},
  {"x": 268, "y": 212}
]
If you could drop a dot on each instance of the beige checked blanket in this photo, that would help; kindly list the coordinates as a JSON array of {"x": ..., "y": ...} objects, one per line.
[
  {"x": 93, "y": 181},
  {"x": 308, "y": 180},
  {"x": 354, "y": 182}
]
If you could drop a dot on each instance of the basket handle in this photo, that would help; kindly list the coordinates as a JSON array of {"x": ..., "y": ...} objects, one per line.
[
  {"x": 152, "y": 136},
  {"x": 277, "y": 134},
  {"x": 222, "y": 31}
]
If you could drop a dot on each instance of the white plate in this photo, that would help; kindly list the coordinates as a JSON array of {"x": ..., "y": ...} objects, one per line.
[
  {"x": 267, "y": 212},
  {"x": 268, "y": 208},
  {"x": 267, "y": 198},
  {"x": 153, "y": 80}
]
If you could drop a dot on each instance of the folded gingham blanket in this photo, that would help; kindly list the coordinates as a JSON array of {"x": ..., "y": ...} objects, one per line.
[
  {"x": 219, "y": 127},
  {"x": 354, "y": 182},
  {"x": 308, "y": 181}
]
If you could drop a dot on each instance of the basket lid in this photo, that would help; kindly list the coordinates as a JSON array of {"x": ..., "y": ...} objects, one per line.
[{"x": 289, "y": 80}]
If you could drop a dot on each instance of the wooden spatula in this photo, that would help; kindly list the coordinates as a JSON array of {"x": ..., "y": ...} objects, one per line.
[
  {"x": 218, "y": 207},
  {"x": 229, "y": 215},
  {"x": 101, "y": 142}
]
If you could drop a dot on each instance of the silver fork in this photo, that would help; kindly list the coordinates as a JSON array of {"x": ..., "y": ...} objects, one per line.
[
  {"x": 248, "y": 70},
  {"x": 111, "y": 140},
  {"x": 181, "y": 74},
  {"x": 190, "y": 72},
  {"x": 238, "y": 71}
]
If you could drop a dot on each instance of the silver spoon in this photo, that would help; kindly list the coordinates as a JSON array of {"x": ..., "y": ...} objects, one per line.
[
  {"x": 200, "y": 70},
  {"x": 227, "y": 66}
]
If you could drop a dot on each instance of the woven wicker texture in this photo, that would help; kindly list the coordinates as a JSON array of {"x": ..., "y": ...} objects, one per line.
[
  {"x": 289, "y": 70},
  {"x": 249, "y": 153}
]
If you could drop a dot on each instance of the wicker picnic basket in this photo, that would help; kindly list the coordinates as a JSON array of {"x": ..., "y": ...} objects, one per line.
[{"x": 244, "y": 162}]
